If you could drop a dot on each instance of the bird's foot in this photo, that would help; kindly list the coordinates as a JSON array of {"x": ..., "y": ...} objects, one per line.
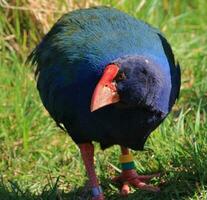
[
  {"x": 100, "y": 197},
  {"x": 97, "y": 193},
  {"x": 131, "y": 178}
]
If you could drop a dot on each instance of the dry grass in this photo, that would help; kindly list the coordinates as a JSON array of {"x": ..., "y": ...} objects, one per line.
[{"x": 42, "y": 13}]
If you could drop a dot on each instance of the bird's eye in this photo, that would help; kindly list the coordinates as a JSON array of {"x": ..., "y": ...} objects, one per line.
[{"x": 120, "y": 76}]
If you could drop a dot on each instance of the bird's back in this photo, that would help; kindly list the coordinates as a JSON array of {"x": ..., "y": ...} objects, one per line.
[{"x": 97, "y": 35}]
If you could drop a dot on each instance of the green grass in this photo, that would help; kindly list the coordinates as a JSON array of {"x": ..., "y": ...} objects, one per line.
[{"x": 38, "y": 161}]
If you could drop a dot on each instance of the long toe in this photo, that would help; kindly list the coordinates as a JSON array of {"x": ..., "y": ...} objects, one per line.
[
  {"x": 143, "y": 186},
  {"x": 147, "y": 178}
]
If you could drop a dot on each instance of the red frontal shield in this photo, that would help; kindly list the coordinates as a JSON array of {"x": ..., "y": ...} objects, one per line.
[{"x": 105, "y": 92}]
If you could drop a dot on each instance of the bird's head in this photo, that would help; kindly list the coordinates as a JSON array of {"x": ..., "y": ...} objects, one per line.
[{"x": 131, "y": 81}]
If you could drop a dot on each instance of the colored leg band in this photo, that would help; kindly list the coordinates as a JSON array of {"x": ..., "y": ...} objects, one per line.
[
  {"x": 126, "y": 158},
  {"x": 128, "y": 166},
  {"x": 96, "y": 191}
]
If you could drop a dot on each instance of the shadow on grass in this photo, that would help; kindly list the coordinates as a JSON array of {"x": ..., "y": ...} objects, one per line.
[{"x": 180, "y": 186}]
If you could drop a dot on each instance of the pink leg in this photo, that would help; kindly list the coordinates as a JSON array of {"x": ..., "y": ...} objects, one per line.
[
  {"x": 130, "y": 177},
  {"x": 87, "y": 152}
]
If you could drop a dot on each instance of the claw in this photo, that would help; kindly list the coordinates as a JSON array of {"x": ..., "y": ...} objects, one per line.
[{"x": 125, "y": 189}]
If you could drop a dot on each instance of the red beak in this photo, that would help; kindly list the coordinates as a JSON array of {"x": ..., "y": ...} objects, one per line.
[{"x": 105, "y": 92}]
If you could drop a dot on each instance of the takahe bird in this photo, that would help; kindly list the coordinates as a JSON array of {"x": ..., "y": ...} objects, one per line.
[{"x": 110, "y": 78}]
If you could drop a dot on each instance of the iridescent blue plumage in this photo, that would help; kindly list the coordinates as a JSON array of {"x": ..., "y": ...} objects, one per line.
[{"x": 71, "y": 58}]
